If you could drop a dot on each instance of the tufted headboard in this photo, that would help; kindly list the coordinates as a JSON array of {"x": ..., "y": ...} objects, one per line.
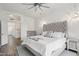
[{"x": 56, "y": 27}]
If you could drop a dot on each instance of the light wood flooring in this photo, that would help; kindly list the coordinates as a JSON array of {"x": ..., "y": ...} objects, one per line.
[{"x": 10, "y": 48}]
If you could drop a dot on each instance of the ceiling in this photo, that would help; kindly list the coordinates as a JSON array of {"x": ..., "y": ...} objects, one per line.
[{"x": 23, "y": 9}]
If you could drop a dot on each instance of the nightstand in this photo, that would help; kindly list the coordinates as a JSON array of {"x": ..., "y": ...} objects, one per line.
[{"x": 73, "y": 44}]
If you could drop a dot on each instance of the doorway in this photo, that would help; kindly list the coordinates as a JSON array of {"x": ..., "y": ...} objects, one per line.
[{"x": 14, "y": 29}]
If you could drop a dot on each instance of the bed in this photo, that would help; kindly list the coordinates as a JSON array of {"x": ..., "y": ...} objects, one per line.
[{"x": 48, "y": 46}]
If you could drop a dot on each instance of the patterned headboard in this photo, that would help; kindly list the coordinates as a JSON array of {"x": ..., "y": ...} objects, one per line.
[{"x": 56, "y": 27}]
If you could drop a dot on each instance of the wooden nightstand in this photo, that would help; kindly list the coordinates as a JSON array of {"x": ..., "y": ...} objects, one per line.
[{"x": 73, "y": 44}]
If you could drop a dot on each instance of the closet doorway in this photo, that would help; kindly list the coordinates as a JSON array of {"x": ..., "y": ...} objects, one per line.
[{"x": 14, "y": 33}]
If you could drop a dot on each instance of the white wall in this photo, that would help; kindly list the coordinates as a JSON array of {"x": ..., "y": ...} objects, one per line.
[
  {"x": 4, "y": 27},
  {"x": 27, "y": 23},
  {"x": 60, "y": 12}
]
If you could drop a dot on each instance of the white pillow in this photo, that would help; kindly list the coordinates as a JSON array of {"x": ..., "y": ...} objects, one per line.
[
  {"x": 58, "y": 35},
  {"x": 50, "y": 34},
  {"x": 44, "y": 33}
]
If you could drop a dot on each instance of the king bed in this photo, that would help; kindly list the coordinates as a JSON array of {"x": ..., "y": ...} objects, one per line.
[{"x": 51, "y": 42}]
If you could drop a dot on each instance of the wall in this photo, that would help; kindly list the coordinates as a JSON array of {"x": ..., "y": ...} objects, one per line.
[
  {"x": 4, "y": 27},
  {"x": 60, "y": 12},
  {"x": 27, "y": 23}
]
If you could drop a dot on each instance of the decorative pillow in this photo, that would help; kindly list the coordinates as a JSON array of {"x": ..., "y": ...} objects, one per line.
[
  {"x": 50, "y": 34},
  {"x": 44, "y": 33},
  {"x": 58, "y": 35},
  {"x": 47, "y": 34}
]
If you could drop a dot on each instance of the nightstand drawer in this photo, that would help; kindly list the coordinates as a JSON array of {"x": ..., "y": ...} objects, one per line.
[{"x": 73, "y": 45}]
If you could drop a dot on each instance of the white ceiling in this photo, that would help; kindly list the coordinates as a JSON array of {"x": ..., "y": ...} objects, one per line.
[{"x": 23, "y": 9}]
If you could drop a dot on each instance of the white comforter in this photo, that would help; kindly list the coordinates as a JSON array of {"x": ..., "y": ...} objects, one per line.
[{"x": 45, "y": 46}]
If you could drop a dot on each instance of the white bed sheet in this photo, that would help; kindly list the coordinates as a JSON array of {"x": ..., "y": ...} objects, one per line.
[{"x": 45, "y": 45}]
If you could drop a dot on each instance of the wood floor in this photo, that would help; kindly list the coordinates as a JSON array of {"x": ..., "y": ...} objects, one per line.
[
  {"x": 10, "y": 48},
  {"x": 3, "y": 50}
]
